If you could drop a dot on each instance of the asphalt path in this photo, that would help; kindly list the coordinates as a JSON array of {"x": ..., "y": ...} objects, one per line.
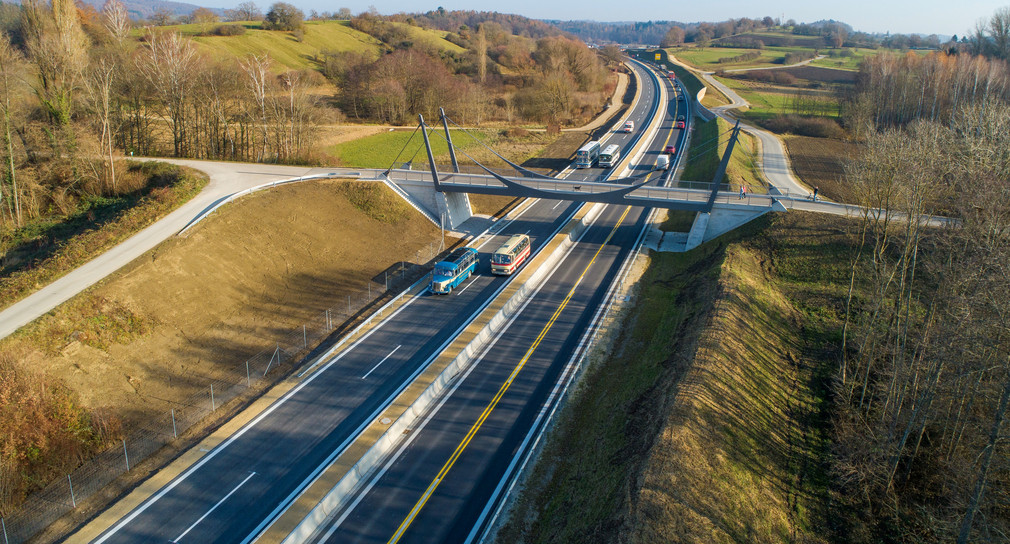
[
  {"x": 444, "y": 482},
  {"x": 236, "y": 490}
]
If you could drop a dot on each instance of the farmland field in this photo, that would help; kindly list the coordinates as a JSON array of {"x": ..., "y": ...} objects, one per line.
[{"x": 819, "y": 162}]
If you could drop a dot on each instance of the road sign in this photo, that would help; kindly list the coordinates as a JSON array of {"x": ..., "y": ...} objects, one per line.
[{"x": 658, "y": 55}]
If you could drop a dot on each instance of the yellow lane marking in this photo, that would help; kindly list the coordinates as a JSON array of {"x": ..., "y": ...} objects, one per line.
[{"x": 501, "y": 391}]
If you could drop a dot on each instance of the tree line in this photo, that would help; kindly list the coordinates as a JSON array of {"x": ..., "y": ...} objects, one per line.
[{"x": 923, "y": 385}]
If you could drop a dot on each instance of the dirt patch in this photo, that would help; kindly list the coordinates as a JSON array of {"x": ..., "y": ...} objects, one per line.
[
  {"x": 332, "y": 135},
  {"x": 820, "y": 162},
  {"x": 193, "y": 308},
  {"x": 824, "y": 75}
]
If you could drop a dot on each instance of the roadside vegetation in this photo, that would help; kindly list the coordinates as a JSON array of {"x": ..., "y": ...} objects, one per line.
[
  {"x": 709, "y": 143},
  {"x": 48, "y": 246},
  {"x": 680, "y": 435}
]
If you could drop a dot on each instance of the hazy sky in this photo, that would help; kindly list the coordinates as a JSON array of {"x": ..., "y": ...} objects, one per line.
[{"x": 902, "y": 16}]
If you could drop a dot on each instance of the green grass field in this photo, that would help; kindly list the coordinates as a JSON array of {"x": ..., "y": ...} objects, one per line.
[
  {"x": 766, "y": 104},
  {"x": 704, "y": 157},
  {"x": 708, "y": 58},
  {"x": 431, "y": 37},
  {"x": 283, "y": 48}
]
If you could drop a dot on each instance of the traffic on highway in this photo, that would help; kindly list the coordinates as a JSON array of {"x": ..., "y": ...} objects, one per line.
[{"x": 444, "y": 482}]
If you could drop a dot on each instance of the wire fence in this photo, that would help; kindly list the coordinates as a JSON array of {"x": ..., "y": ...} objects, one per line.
[{"x": 276, "y": 360}]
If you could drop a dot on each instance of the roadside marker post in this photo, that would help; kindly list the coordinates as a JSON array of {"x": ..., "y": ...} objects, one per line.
[
  {"x": 126, "y": 455},
  {"x": 73, "y": 501}
]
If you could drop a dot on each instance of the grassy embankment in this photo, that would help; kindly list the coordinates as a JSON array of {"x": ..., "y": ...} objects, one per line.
[
  {"x": 151, "y": 336},
  {"x": 49, "y": 247},
  {"x": 703, "y": 160},
  {"x": 707, "y": 422}
]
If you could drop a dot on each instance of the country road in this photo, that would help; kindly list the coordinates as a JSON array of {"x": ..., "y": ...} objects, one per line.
[{"x": 774, "y": 159}]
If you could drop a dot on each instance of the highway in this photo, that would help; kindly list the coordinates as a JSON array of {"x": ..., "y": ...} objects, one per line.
[
  {"x": 447, "y": 479},
  {"x": 235, "y": 491}
]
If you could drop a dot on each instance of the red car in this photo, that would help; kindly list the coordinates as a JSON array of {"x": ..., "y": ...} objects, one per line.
[
  {"x": 680, "y": 124},
  {"x": 670, "y": 149}
]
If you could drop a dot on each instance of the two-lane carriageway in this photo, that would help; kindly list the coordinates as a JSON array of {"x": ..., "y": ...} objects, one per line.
[
  {"x": 448, "y": 477},
  {"x": 235, "y": 491}
]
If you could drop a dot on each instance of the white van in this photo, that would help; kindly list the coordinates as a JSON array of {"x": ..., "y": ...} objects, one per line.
[
  {"x": 629, "y": 126},
  {"x": 662, "y": 162}
]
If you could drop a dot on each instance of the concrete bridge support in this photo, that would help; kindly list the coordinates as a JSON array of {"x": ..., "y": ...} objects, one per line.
[{"x": 722, "y": 219}]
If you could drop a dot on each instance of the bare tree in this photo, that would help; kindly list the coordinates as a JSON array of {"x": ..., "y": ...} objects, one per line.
[
  {"x": 10, "y": 59},
  {"x": 246, "y": 11},
  {"x": 58, "y": 48},
  {"x": 99, "y": 83},
  {"x": 116, "y": 19},
  {"x": 257, "y": 68},
  {"x": 168, "y": 66}
]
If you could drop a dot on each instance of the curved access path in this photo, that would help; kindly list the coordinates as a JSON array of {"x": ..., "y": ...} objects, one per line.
[
  {"x": 226, "y": 179},
  {"x": 774, "y": 159},
  {"x": 801, "y": 63}
]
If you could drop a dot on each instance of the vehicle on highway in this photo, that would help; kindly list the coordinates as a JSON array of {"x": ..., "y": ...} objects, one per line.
[
  {"x": 586, "y": 156},
  {"x": 680, "y": 117},
  {"x": 679, "y": 124},
  {"x": 629, "y": 126},
  {"x": 680, "y": 98},
  {"x": 610, "y": 156},
  {"x": 507, "y": 258},
  {"x": 670, "y": 150},
  {"x": 450, "y": 272},
  {"x": 662, "y": 162}
]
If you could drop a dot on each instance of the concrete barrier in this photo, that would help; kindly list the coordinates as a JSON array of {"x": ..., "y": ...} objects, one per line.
[{"x": 533, "y": 276}]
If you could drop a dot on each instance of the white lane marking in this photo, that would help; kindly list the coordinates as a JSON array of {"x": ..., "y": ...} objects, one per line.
[
  {"x": 230, "y": 493},
  {"x": 558, "y": 204},
  {"x": 388, "y": 355},
  {"x": 465, "y": 287},
  {"x": 445, "y": 395}
]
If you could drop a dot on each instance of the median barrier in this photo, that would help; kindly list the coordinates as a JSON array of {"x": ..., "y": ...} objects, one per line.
[{"x": 495, "y": 317}]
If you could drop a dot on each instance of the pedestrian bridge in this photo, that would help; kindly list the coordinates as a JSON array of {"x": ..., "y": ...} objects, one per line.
[{"x": 446, "y": 202}]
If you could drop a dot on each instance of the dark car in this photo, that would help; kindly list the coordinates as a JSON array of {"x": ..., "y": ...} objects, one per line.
[
  {"x": 680, "y": 117},
  {"x": 680, "y": 97},
  {"x": 670, "y": 149},
  {"x": 680, "y": 124}
]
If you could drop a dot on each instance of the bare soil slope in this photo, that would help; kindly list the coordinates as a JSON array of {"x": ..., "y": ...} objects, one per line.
[{"x": 192, "y": 309}]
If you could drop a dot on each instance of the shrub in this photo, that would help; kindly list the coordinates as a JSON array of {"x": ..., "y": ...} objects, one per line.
[
  {"x": 817, "y": 127},
  {"x": 229, "y": 30}
]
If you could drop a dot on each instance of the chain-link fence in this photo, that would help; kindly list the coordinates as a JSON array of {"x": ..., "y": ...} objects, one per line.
[{"x": 275, "y": 361}]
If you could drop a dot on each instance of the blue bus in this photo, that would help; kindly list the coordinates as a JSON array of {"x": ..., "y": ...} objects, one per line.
[{"x": 456, "y": 267}]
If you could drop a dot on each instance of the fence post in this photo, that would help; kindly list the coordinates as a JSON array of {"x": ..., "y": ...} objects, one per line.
[
  {"x": 369, "y": 290},
  {"x": 126, "y": 455},
  {"x": 4, "y": 524},
  {"x": 387, "y": 281},
  {"x": 73, "y": 500},
  {"x": 174, "y": 430},
  {"x": 348, "y": 305},
  {"x": 248, "y": 381},
  {"x": 276, "y": 354},
  {"x": 212, "y": 405},
  {"x": 305, "y": 338}
]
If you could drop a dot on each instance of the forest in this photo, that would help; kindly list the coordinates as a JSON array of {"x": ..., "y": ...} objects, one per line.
[
  {"x": 923, "y": 387},
  {"x": 80, "y": 89}
]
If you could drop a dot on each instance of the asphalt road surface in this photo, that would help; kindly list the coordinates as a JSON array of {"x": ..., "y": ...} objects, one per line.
[
  {"x": 446, "y": 480},
  {"x": 235, "y": 491}
]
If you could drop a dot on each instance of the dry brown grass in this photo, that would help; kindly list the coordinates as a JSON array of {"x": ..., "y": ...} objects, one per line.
[
  {"x": 820, "y": 162},
  {"x": 726, "y": 466},
  {"x": 152, "y": 334}
]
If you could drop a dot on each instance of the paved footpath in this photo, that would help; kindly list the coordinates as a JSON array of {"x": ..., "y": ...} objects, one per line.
[
  {"x": 226, "y": 179},
  {"x": 774, "y": 159}
]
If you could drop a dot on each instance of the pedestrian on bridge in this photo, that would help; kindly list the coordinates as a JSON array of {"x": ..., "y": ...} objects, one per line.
[
  {"x": 743, "y": 191},
  {"x": 816, "y": 190}
]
